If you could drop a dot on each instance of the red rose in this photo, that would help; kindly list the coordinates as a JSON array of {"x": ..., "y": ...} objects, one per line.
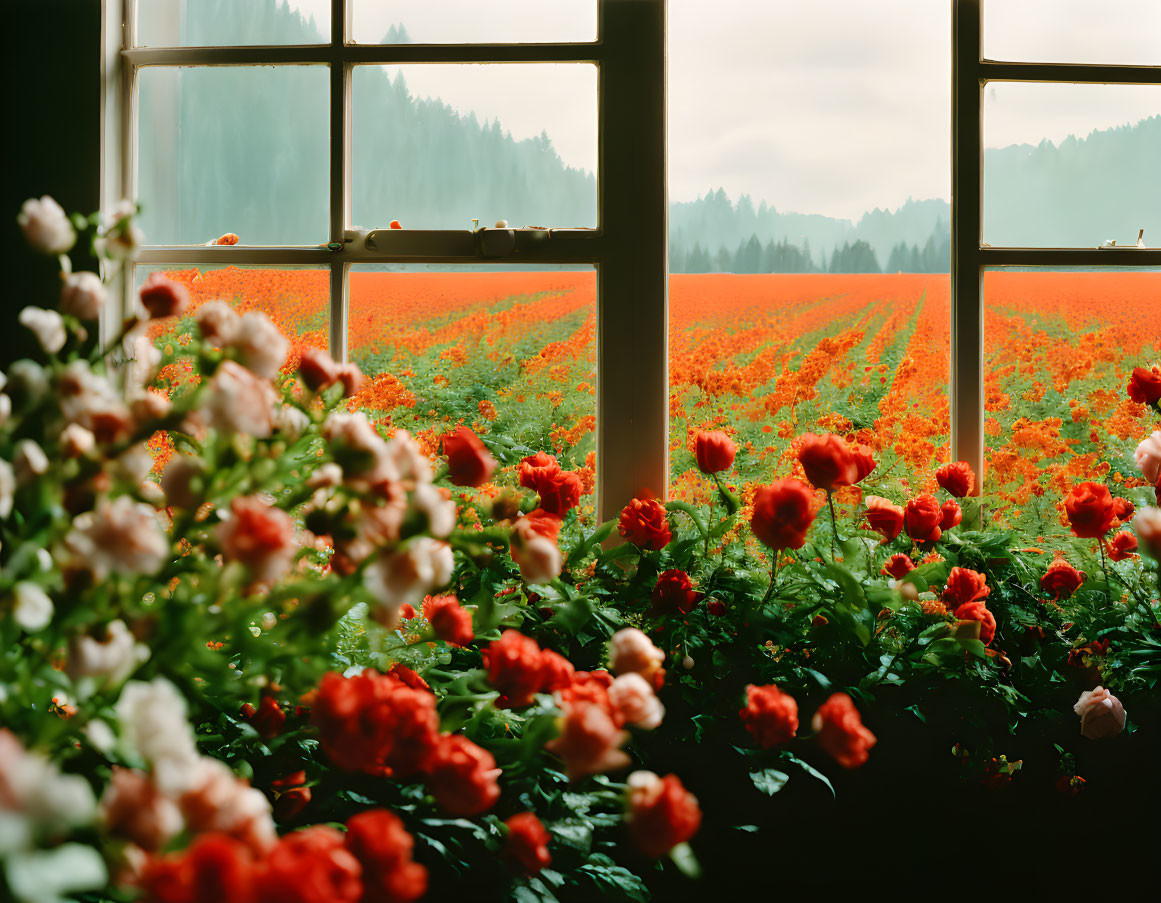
[
  {"x": 162, "y": 297},
  {"x": 589, "y": 688},
  {"x": 864, "y": 461},
  {"x": 311, "y": 866},
  {"x": 1145, "y": 385},
  {"x": 451, "y": 623},
  {"x": 214, "y": 869},
  {"x": 383, "y": 847},
  {"x": 267, "y": 719},
  {"x": 291, "y": 795},
  {"x": 674, "y": 592},
  {"x": 898, "y": 566},
  {"x": 828, "y": 461},
  {"x": 527, "y": 843},
  {"x": 469, "y": 463},
  {"x": 317, "y": 368},
  {"x": 462, "y": 776},
  {"x": 715, "y": 452},
  {"x": 770, "y": 715},
  {"x": 783, "y": 512},
  {"x": 977, "y": 610},
  {"x": 841, "y": 732},
  {"x": 1061, "y": 579},
  {"x": 963, "y": 586},
  {"x": 406, "y": 676},
  {"x": 952, "y": 515},
  {"x": 922, "y": 519},
  {"x": 716, "y": 607},
  {"x": 1090, "y": 511},
  {"x": 643, "y": 524},
  {"x": 956, "y": 478},
  {"x": 662, "y": 813},
  {"x": 556, "y": 671},
  {"x": 514, "y": 667},
  {"x": 1122, "y": 545},
  {"x": 559, "y": 490},
  {"x": 1123, "y": 509},
  {"x": 260, "y": 536},
  {"x": 590, "y": 739},
  {"x": 883, "y": 517}
]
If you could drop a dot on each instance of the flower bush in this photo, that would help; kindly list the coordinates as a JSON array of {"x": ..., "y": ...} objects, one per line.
[{"x": 310, "y": 662}]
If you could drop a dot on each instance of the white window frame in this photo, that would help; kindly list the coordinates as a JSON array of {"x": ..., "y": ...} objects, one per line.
[
  {"x": 629, "y": 247},
  {"x": 971, "y": 72}
]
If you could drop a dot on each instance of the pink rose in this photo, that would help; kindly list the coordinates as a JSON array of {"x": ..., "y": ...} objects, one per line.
[
  {"x": 630, "y": 651},
  {"x": 1147, "y": 523},
  {"x": 133, "y": 808},
  {"x": 1101, "y": 714},
  {"x": 261, "y": 537},
  {"x": 1148, "y": 457},
  {"x": 240, "y": 402},
  {"x": 635, "y": 701}
]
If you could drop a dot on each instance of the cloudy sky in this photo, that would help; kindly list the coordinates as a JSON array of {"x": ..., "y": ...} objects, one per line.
[{"x": 822, "y": 107}]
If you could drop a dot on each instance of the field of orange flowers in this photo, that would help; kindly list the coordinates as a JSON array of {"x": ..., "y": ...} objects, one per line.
[{"x": 764, "y": 357}]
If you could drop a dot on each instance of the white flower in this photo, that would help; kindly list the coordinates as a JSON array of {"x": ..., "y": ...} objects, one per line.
[
  {"x": 219, "y": 801},
  {"x": 290, "y": 421},
  {"x": 28, "y": 379},
  {"x": 326, "y": 477},
  {"x": 144, "y": 361},
  {"x": 360, "y": 450},
  {"x": 439, "y": 512},
  {"x": 29, "y": 461},
  {"x": 153, "y": 725},
  {"x": 91, "y": 401},
  {"x": 83, "y": 296},
  {"x": 260, "y": 346},
  {"x": 406, "y": 576},
  {"x": 409, "y": 460},
  {"x": 537, "y": 555},
  {"x": 1101, "y": 714},
  {"x": 107, "y": 661},
  {"x": 217, "y": 322},
  {"x": 632, "y": 696},
  {"x": 36, "y": 799},
  {"x": 55, "y": 875},
  {"x": 7, "y": 488},
  {"x": 121, "y": 236},
  {"x": 47, "y": 326},
  {"x": 32, "y": 608},
  {"x": 134, "y": 464},
  {"x": 1148, "y": 457},
  {"x": 240, "y": 402},
  {"x": 5, "y": 409},
  {"x": 1147, "y": 525},
  {"x": 122, "y": 536},
  {"x": 630, "y": 650},
  {"x": 46, "y": 226},
  {"x": 76, "y": 441}
]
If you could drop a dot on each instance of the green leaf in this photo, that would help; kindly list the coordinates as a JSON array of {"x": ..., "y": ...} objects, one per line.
[
  {"x": 810, "y": 770},
  {"x": 685, "y": 860},
  {"x": 584, "y": 548},
  {"x": 615, "y": 879},
  {"x": 769, "y": 780}
]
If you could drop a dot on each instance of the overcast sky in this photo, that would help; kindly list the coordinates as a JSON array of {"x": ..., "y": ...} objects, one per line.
[{"x": 821, "y": 107}]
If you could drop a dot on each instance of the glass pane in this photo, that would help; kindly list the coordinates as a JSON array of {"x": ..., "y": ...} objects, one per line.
[
  {"x": 769, "y": 357},
  {"x": 438, "y": 146},
  {"x": 205, "y": 23},
  {"x": 220, "y": 151},
  {"x": 1059, "y": 349},
  {"x": 296, "y": 299},
  {"x": 511, "y": 354},
  {"x": 1071, "y": 165},
  {"x": 1073, "y": 31},
  {"x": 472, "y": 22}
]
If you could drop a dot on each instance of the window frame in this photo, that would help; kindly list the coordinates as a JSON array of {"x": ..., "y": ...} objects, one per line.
[
  {"x": 970, "y": 256},
  {"x": 628, "y": 248}
]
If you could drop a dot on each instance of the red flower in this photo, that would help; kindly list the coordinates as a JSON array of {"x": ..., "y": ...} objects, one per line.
[
  {"x": 374, "y": 723},
  {"x": 956, "y": 478},
  {"x": 715, "y": 452},
  {"x": 559, "y": 490},
  {"x": 1123, "y": 509},
  {"x": 469, "y": 462},
  {"x": 662, "y": 813},
  {"x": 922, "y": 519},
  {"x": 214, "y": 869},
  {"x": 674, "y": 592},
  {"x": 406, "y": 676},
  {"x": 383, "y": 847},
  {"x": 311, "y": 866},
  {"x": 883, "y": 517},
  {"x": 952, "y": 515},
  {"x": 1145, "y": 385},
  {"x": 643, "y": 524},
  {"x": 898, "y": 566},
  {"x": 590, "y": 739},
  {"x": 394, "y": 224},
  {"x": 462, "y": 776},
  {"x": 229, "y": 238},
  {"x": 514, "y": 667},
  {"x": 291, "y": 795},
  {"x": 841, "y": 732},
  {"x": 783, "y": 512},
  {"x": 1123, "y": 545},
  {"x": 590, "y": 687},
  {"x": 451, "y": 623},
  {"x": 317, "y": 368},
  {"x": 770, "y": 715},
  {"x": 162, "y": 297},
  {"x": 260, "y": 536},
  {"x": 1061, "y": 579},
  {"x": 267, "y": 719},
  {"x": 963, "y": 586},
  {"x": 864, "y": 461},
  {"x": 527, "y": 842},
  {"x": 977, "y": 610},
  {"x": 828, "y": 461},
  {"x": 556, "y": 671},
  {"x": 716, "y": 607},
  {"x": 1090, "y": 510}
]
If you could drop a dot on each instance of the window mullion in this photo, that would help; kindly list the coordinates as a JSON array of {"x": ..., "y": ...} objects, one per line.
[{"x": 340, "y": 182}]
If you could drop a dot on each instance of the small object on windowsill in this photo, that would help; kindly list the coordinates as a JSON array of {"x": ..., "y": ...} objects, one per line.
[
  {"x": 394, "y": 224},
  {"x": 1111, "y": 243},
  {"x": 228, "y": 239},
  {"x": 1141, "y": 239},
  {"x": 501, "y": 224}
]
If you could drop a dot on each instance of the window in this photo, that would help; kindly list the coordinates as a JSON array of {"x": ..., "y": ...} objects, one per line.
[{"x": 327, "y": 123}]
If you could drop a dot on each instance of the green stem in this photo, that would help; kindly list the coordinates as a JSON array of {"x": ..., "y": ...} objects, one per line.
[
  {"x": 833, "y": 526},
  {"x": 773, "y": 580},
  {"x": 1105, "y": 568}
]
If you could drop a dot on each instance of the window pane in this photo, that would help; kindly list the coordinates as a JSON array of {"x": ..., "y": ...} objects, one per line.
[
  {"x": 222, "y": 151},
  {"x": 438, "y": 146},
  {"x": 472, "y": 22},
  {"x": 770, "y": 357},
  {"x": 1071, "y": 165},
  {"x": 511, "y": 354},
  {"x": 1059, "y": 348},
  {"x": 202, "y": 23},
  {"x": 1073, "y": 31},
  {"x": 296, "y": 299}
]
